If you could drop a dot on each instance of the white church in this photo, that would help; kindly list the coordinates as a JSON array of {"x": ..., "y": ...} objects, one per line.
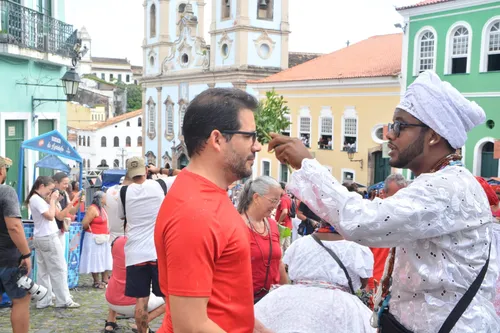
[{"x": 249, "y": 41}]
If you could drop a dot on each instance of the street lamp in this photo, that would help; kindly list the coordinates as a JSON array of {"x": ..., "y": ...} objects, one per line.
[
  {"x": 350, "y": 155},
  {"x": 71, "y": 81}
]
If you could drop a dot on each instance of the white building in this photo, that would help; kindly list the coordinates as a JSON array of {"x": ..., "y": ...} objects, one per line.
[
  {"x": 249, "y": 41},
  {"x": 109, "y": 143},
  {"x": 107, "y": 69}
]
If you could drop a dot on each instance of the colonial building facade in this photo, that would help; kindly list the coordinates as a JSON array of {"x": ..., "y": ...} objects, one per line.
[
  {"x": 460, "y": 41},
  {"x": 340, "y": 101},
  {"x": 249, "y": 41},
  {"x": 32, "y": 62},
  {"x": 110, "y": 143}
]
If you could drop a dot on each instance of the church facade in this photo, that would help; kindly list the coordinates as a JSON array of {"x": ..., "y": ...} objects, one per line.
[{"x": 248, "y": 41}]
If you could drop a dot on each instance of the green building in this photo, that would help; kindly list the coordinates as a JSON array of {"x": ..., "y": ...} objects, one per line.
[
  {"x": 460, "y": 41},
  {"x": 35, "y": 49}
]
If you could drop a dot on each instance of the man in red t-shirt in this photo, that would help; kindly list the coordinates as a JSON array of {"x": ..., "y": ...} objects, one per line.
[
  {"x": 283, "y": 217},
  {"x": 201, "y": 241}
]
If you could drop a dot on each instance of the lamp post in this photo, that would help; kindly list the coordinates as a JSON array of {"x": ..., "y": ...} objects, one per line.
[{"x": 350, "y": 155}]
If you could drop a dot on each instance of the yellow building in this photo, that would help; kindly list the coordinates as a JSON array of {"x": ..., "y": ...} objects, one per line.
[
  {"x": 339, "y": 101},
  {"x": 81, "y": 116}
]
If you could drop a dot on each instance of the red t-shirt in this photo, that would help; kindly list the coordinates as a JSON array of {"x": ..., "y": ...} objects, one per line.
[
  {"x": 259, "y": 250},
  {"x": 204, "y": 251},
  {"x": 115, "y": 292},
  {"x": 379, "y": 259},
  {"x": 285, "y": 203}
]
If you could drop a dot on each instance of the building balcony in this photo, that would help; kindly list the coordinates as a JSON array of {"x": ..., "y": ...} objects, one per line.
[{"x": 28, "y": 33}]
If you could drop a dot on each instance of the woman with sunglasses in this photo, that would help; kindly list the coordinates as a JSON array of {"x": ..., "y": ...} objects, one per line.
[{"x": 257, "y": 201}]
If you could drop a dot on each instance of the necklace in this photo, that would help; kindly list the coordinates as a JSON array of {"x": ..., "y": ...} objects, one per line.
[
  {"x": 263, "y": 233},
  {"x": 266, "y": 228},
  {"x": 445, "y": 161}
]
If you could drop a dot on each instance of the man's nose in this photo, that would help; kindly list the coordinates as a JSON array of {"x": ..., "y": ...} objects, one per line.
[{"x": 256, "y": 147}]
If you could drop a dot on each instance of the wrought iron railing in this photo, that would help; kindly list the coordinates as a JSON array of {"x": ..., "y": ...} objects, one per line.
[{"x": 31, "y": 29}]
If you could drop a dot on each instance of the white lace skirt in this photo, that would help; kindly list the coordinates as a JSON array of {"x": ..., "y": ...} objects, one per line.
[
  {"x": 307, "y": 309},
  {"x": 95, "y": 258}
]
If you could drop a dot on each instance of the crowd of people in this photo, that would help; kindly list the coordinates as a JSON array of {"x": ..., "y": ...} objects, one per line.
[{"x": 418, "y": 256}]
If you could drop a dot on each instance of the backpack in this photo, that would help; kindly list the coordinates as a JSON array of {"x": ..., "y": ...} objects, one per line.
[
  {"x": 293, "y": 210},
  {"x": 123, "y": 194}
]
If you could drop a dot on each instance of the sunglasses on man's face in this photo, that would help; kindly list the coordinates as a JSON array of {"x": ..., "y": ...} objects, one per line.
[{"x": 397, "y": 126}]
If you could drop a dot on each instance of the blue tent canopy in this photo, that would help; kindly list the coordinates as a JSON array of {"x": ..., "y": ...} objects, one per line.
[
  {"x": 53, "y": 162},
  {"x": 112, "y": 177},
  {"x": 52, "y": 143},
  {"x": 377, "y": 186}
]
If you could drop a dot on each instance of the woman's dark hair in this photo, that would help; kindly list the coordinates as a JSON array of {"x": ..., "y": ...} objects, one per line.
[
  {"x": 58, "y": 177},
  {"x": 74, "y": 186},
  {"x": 41, "y": 180},
  {"x": 214, "y": 109}
]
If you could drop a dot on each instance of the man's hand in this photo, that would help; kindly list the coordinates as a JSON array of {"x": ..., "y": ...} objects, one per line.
[
  {"x": 26, "y": 263},
  {"x": 153, "y": 169},
  {"x": 54, "y": 196},
  {"x": 289, "y": 150}
]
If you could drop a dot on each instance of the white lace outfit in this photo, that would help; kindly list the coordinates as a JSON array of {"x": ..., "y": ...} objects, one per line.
[
  {"x": 441, "y": 226},
  {"x": 309, "y": 308}
]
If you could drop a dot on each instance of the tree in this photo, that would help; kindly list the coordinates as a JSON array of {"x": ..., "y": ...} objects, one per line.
[{"x": 134, "y": 95}]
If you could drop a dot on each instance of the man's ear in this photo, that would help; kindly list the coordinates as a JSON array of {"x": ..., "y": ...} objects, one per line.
[
  {"x": 434, "y": 138},
  {"x": 216, "y": 140}
]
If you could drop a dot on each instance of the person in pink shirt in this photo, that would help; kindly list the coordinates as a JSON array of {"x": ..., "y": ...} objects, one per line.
[{"x": 115, "y": 292}]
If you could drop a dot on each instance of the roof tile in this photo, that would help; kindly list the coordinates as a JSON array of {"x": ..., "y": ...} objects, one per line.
[
  {"x": 423, "y": 3},
  {"x": 372, "y": 57}
]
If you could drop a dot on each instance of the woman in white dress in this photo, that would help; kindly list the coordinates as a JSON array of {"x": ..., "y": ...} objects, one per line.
[
  {"x": 319, "y": 299},
  {"x": 96, "y": 251}
]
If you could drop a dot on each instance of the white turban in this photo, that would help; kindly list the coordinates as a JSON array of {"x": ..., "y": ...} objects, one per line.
[{"x": 442, "y": 107}]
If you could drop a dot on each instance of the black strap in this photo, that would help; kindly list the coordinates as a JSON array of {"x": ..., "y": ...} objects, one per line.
[
  {"x": 466, "y": 299},
  {"x": 270, "y": 253},
  {"x": 123, "y": 195},
  {"x": 163, "y": 185},
  {"x": 339, "y": 262}
]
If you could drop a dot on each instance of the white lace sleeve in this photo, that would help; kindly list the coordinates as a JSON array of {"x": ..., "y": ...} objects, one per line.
[{"x": 434, "y": 205}]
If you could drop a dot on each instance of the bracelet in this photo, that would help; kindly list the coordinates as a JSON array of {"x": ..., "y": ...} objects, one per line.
[
  {"x": 170, "y": 172},
  {"x": 25, "y": 256},
  {"x": 161, "y": 171}
]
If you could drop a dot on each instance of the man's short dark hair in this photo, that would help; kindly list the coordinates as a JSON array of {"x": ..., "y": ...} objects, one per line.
[{"x": 214, "y": 109}]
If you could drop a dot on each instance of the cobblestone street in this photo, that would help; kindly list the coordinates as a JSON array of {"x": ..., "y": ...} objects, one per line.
[{"x": 89, "y": 318}]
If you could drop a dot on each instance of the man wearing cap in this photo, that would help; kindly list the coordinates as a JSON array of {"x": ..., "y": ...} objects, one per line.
[
  {"x": 143, "y": 198},
  {"x": 14, "y": 252},
  {"x": 439, "y": 228}
]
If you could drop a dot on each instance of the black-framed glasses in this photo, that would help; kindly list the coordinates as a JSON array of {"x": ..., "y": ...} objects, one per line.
[
  {"x": 397, "y": 126},
  {"x": 252, "y": 135}
]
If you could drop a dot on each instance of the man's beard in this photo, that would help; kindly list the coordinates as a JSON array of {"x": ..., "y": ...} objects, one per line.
[
  {"x": 410, "y": 153},
  {"x": 237, "y": 165}
]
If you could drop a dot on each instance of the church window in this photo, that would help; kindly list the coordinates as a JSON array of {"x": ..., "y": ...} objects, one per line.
[
  {"x": 151, "y": 118},
  {"x": 152, "y": 21},
  {"x": 185, "y": 59},
  {"x": 225, "y": 50},
  {"x": 116, "y": 142},
  {"x": 182, "y": 7},
  {"x": 182, "y": 113},
  {"x": 170, "y": 119},
  {"x": 103, "y": 141},
  {"x": 265, "y": 9},
  {"x": 226, "y": 9},
  {"x": 103, "y": 76}
]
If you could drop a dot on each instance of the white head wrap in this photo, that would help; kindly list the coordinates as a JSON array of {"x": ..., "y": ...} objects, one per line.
[{"x": 442, "y": 107}]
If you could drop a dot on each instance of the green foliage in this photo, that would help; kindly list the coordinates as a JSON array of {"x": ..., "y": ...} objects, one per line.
[
  {"x": 134, "y": 95},
  {"x": 271, "y": 116}
]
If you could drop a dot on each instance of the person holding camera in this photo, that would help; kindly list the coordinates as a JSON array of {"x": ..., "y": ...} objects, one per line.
[
  {"x": 14, "y": 252},
  {"x": 52, "y": 269}
]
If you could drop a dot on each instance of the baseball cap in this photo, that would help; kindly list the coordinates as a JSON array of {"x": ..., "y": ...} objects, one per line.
[
  {"x": 5, "y": 162},
  {"x": 136, "y": 167}
]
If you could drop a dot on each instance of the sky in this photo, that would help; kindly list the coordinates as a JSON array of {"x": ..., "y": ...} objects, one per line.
[{"x": 117, "y": 29}]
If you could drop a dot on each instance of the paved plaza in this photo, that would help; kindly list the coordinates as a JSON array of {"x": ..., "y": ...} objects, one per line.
[{"x": 89, "y": 318}]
